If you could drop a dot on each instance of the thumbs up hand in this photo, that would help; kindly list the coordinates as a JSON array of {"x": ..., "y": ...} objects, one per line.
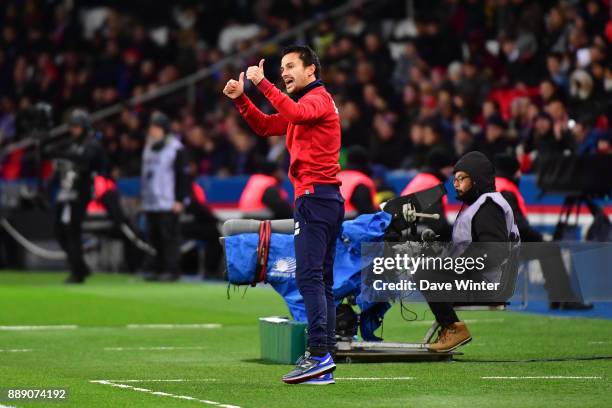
[
  {"x": 255, "y": 73},
  {"x": 233, "y": 88}
]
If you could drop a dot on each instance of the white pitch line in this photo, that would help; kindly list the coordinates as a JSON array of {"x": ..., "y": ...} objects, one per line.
[
  {"x": 129, "y": 326},
  {"x": 374, "y": 378},
  {"x": 164, "y": 380},
  {"x": 600, "y": 342},
  {"x": 175, "y": 326},
  {"x": 163, "y": 348},
  {"x": 7, "y": 406},
  {"x": 546, "y": 377},
  {"x": 14, "y": 350},
  {"x": 162, "y": 394},
  {"x": 48, "y": 327}
]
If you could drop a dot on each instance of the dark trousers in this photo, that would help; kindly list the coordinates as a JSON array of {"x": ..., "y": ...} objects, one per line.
[
  {"x": 318, "y": 220},
  {"x": 164, "y": 232},
  {"x": 444, "y": 313},
  {"x": 68, "y": 220}
]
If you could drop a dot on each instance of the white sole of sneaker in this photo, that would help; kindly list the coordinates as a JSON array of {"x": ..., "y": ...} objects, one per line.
[
  {"x": 310, "y": 376},
  {"x": 319, "y": 382}
]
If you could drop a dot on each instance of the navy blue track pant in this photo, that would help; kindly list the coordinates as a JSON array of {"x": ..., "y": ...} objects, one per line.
[{"x": 318, "y": 220}]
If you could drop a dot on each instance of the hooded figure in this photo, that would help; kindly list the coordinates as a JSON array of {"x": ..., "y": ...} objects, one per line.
[
  {"x": 481, "y": 174},
  {"x": 486, "y": 217}
]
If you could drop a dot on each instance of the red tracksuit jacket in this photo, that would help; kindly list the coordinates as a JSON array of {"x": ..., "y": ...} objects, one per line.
[{"x": 312, "y": 126}]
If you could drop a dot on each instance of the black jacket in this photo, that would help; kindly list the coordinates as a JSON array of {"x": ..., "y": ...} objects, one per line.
[
  {"x": 87, "y": 158},
  {"x": 489, "y": 222}
]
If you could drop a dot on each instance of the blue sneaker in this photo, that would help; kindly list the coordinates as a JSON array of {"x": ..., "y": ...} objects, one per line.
[
  {"x": 322, "y": 380},
  {"x": 308, "y": 367}
]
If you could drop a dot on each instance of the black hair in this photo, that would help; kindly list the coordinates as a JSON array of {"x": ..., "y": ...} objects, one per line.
[
  {"x": 556, "y": 55},
  {"x": 307, "y": 55},
  {"x": 160, "y": 119}
]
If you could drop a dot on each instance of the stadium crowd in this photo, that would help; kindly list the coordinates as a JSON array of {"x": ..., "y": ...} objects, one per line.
[{"x": 498, "y": 76}]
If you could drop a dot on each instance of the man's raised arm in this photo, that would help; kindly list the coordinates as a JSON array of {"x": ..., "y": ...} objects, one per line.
[
  {"x": 262, "y": 124},
  {"x": 307, "y": 110}
]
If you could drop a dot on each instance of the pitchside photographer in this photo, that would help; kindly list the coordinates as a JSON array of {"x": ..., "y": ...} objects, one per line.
[{"x": 77, "y": 161}]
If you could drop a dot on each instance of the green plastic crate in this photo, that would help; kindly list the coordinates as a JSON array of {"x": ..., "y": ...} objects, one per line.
[{"x": 282, "y": 340}]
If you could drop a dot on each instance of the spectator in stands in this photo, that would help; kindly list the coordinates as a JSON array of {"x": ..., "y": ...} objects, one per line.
[
  {"x": 495, "y": 139},
  {"x": 543, "y": 139},
  {"x": 96, "y": 57},
  {"x": 7, "y": 120},
  {"x": 384, "y": 141},
  {"x": 464, "y": 139},
  {"x": 353, "y": 125},
  {"x": 418, "y": 149}
]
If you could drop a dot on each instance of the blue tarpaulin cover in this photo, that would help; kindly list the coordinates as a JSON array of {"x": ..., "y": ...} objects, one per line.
[{"x": 241, "y": 257}]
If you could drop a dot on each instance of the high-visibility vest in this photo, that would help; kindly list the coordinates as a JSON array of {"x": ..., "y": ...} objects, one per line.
[
  {"x": 251, "y": 199},
  {"x": 503, "y": 184},
  {"x": 198, "y": 193},
  {"x": 350, "y": 180},
  {"x": 101, "y": 186},
  {"x": 423, "y": 181},
  {"x": 11, "y": 167}
]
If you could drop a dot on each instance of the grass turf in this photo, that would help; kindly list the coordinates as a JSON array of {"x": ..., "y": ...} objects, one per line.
[{"x": 224, "y": 361}]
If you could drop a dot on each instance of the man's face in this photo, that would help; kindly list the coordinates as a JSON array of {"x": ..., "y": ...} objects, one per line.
[
  {"x": 76, "y": 131},
  {"x": 553, "y": 65},
  {"x": 462, "y": 183},
  {"x": 295, "y": 75},
  {"x": 493, "y": 132},
  {"x": 156, "y": 134},
  {"x": 542, "y": 126}
]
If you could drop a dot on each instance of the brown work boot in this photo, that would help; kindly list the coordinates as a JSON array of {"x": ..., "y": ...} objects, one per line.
[{"x": 455, "y": 335}]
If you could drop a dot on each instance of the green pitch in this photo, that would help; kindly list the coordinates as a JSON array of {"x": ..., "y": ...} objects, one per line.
[{"x": 103, "y": 362}]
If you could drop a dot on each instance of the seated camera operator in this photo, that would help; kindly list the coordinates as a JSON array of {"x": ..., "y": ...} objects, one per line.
[
  {"x": 78, "y": 160},
  {"x": 485, "y": 217}
]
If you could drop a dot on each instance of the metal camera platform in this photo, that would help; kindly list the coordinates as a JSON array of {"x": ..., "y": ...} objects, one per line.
[{"x": 349, "y": 351}]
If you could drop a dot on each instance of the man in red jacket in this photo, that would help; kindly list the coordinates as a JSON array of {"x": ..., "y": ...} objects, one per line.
[{"x": 309, "y": 119}]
